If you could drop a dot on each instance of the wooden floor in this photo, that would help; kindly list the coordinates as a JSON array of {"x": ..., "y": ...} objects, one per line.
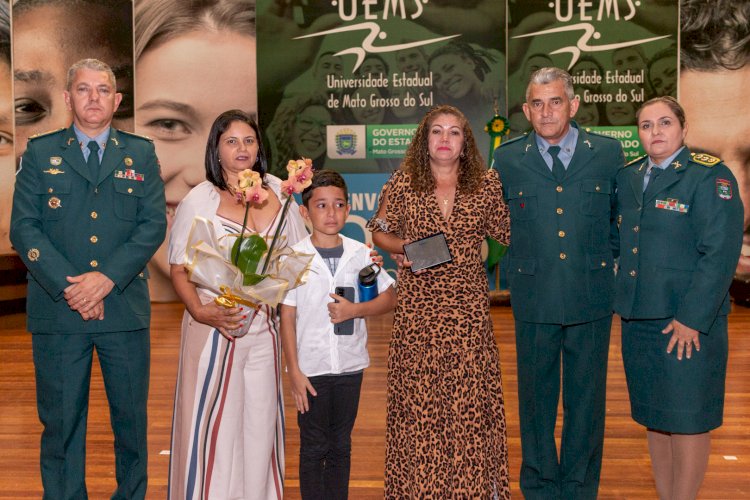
[{"x": 625, "y": 472}]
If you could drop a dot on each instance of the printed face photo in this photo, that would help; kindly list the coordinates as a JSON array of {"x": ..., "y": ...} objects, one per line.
[{"x": 47, "y": 40}]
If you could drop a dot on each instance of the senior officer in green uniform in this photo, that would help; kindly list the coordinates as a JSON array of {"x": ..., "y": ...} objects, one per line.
[
  {"x": 681, "y": 224},
  {"x": 559, "y": 182},
  {"x": 88, "y": 214}
]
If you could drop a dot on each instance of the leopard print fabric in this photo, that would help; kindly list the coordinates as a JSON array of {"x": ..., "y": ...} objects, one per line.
[{"x": 446, "y": 433}]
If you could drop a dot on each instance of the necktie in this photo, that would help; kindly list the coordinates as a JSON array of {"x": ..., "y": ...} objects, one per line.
[
  {"x": 93, "y": 161},
  {"x": 652, "y": 173},
  {"x": 558, "y": 169}
]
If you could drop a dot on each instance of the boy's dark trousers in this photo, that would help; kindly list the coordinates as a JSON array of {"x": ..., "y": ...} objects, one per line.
[{"x": 326, "y": 437}]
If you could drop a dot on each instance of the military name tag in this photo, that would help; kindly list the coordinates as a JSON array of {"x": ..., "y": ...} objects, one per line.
[
  {"x": 673, "y": 205},
  {"x": 724, "y": 189}
]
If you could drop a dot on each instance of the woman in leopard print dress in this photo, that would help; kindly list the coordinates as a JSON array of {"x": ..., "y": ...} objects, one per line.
[{"x": 446, "y": 435}]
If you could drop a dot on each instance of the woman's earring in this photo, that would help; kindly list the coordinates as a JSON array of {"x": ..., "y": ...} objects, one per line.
[
  {"x": 463, "y": 154},
  {"x": 219, "y": 159}
]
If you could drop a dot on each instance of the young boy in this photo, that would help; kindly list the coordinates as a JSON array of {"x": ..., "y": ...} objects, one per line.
[{"x": 327, "y": 365}]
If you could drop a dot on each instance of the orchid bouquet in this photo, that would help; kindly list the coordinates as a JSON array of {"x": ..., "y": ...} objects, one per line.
[
  {"x": 251, "y": 272},
  {"x": 248, "y": 252}
]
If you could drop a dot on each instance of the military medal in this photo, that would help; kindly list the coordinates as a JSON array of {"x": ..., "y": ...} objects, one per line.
[
  {"x": 128, "y": 161},
  {"x": 55, "y": 161},
  {"x": 724, "y": 189},
  {"x": 672, "y": 205},
  {"x": 129, "y": 174},
  {"x": 54, "y": 203},
  {"x": 33, "y": 254}
]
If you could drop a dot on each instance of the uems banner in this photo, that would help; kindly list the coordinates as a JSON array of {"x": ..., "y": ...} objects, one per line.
[
  {"x": 620, "y": 53},
  {"x": 361, "y": 74}
]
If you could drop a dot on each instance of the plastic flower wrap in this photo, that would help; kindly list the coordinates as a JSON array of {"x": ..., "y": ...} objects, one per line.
[{"x": 233, "y": 272}]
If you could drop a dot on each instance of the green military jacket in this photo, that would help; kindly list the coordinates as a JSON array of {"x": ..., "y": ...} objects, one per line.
[
  {"x": 560, "y": 259},
  {"x": 67, "y": 221},
  {"x": 679, "y": 241}
]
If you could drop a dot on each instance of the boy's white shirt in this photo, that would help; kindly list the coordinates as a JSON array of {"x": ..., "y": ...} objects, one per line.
[{"x": 319, "y": 350}]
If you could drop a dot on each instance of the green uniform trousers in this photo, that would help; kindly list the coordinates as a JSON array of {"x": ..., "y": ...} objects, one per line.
[
  {"x": 63, "y": 372},
  {"x": 584, "y": 349}
]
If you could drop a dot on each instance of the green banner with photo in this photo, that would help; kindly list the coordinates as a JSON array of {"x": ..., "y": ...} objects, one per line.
[
  {"x": 360, "y": 75},
  {"x": 619, "y": 52}
]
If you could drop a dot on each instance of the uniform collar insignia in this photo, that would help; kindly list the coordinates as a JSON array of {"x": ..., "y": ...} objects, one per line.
[
  {"x": 676, "y": 164},
  {"x": 588, "y": 143}
]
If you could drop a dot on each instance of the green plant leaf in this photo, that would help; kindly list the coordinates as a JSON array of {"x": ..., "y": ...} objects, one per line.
[{"x": 246, "y": 252}]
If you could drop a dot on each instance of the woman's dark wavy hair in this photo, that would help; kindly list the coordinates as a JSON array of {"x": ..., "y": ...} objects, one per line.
[
  {"x": 714, "y": 35},
  {"x": 416, "y": 163},
  {"x": 214, "y": 171}
]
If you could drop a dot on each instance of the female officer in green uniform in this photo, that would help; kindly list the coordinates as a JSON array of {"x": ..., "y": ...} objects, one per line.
[{"x": 680, "y": 232}]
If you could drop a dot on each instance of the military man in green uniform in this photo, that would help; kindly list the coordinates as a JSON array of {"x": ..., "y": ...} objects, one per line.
[
  {"x": 88, "y": 214},
  {"x": 559, "y": 182}
]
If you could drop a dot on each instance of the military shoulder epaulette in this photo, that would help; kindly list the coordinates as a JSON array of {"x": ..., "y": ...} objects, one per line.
[
  {"x": 599, "y": 134},
  {"x": 514, "y": 140},
  {"x": 637, "y": 160},
  {"x": 133, "y": 134},
  {"x": 48, "y": 132},
  {"x": 704, "y": 159}
]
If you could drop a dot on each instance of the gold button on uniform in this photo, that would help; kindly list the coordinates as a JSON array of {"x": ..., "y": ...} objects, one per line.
[
  {"x": 130, "y": 190},
  {"x": 94, "y": 215},
  {"x": 633, "y": 273},
  {"x": 636, "y": 229},
  {"x": 93, "y": 263},
  {"x": 598, "y": 188},
  {"x": 559, "y": 189},
  {"x": 50, "y": 190},
  {"x": 93, "y": 239},
  {"x": 604, "y": 263},
  {"x": 561, "y": 234},
  {"x": 559, "y": 211},
  {"x": 635, "y": 250},
  {"x": 563, "y": 256}
]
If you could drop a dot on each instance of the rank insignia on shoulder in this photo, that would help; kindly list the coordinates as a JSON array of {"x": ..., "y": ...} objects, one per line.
[
  {"x": 53, "y": 171},
  {"x": 704, "y": 159},
  {"x": 33, "y": 254},
  {"x": 724, "y": 189},
  {"x": 47, "y": 132},
  {"x": 133, "y": 134},
  {"x": 636, "y": 161}
]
